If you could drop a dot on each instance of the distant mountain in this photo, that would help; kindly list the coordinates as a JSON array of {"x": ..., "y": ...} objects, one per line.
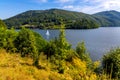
[
  {"x": 52, "y": 18},
  {"x": 108, "y": 18}
]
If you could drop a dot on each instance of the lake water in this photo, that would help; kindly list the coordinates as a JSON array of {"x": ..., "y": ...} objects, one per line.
[{"x": 98, "y": 41}]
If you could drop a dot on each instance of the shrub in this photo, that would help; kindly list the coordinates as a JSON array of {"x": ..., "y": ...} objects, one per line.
[
  {"x": 26, "y": 45},
  {"x": 58, "y": 47},
  {"x": 50, "y": 49},
  {"x": 7, "y": 38},
  {"x": 40, "y": 42},
  {"x": 82, "y": 52},
  {"x": 10, "y": 37},
  {"x": 25, "y": 42},
  {"x": 2, "y": 24},
  {"x": 111, "y": 63},
  {"x": 3, "y": 36}
]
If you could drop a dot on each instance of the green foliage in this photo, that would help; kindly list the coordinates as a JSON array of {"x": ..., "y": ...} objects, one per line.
[
  {"x": 52, "y": 18},
  {"x": 108, "y": 18},
  {"x": 111, "y": 63},
  {"x": 61, "y": 41},
  {"x": 82, "y": 52},
  {"x": 25, "y": 42},
  {"x": 62, "y": 62},
  {"x": 83, "y": 24},
  {"x": 81, "y": 48},
  {"x": 73, "y": 20},
  {"x": 10, "y": 38},
  {"x": 62, "y": 45},
  {"x": 28, "y": 45},
  {"x": 7, "y": 38},
  {"x": 50, "y": 49},
  {"x": 58, "y": 47},
  {"x": 2, "y": 24},
  {"x": 3, "y": 34},
  {"x": 2, "y": 38},
  {"x": 40, "y": 42}
]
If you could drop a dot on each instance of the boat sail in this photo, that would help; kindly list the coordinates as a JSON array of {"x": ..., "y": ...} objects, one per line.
[{"x": 47, "y": 33}]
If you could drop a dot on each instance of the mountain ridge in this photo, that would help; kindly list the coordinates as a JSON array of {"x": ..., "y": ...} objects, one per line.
[
  {"x": 73, "y": 20},
  {"x": 112, "y": 18}
]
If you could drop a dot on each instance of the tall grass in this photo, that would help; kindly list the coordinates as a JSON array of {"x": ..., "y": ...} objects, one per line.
[{"x": 15, "y": 67}]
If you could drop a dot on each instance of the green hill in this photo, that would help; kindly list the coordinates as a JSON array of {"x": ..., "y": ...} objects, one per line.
[
  {"x": 108, "y": 18},
  {"x": 50, "y": 18},
  {"x": 55, "y": 17}
]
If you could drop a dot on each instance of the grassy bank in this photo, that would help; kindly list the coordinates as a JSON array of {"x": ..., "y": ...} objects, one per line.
[{"x": 15, "y": 67}]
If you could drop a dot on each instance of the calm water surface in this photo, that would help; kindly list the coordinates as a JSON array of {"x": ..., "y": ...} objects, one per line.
[{"x": 98, "y": 41}]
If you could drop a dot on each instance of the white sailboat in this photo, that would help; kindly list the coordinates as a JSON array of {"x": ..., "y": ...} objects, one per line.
[{"x": 47, "y": 33}]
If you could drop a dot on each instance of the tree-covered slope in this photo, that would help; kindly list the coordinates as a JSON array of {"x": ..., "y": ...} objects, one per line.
[
  {"x": 50, "y": 18},
  {"x": 108, "y": 18},
  {"x": 73, "y": 20}
]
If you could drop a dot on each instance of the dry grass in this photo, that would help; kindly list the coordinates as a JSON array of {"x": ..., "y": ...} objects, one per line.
[{"x": 14, "y": 67}]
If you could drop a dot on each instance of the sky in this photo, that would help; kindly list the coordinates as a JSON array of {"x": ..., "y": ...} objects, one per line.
[{"x": 11, "y": 8}]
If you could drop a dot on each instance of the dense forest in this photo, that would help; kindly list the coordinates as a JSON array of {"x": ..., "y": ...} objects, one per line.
[
  {"x": 30, "y": 57},
  {"x": 108, "y": 18},
  {"x": 52, "y": 19}
]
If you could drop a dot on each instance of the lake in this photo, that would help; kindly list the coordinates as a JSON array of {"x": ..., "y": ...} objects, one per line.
[{"x": 98, "y": 41}]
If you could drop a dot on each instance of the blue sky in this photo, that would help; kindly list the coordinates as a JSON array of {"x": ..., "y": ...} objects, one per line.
[{"x": 10, "y": 8}]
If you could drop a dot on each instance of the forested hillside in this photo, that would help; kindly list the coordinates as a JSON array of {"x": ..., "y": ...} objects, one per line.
[
  {"x": 52, "y": 19},
  {"x": 108, "y": 18}
]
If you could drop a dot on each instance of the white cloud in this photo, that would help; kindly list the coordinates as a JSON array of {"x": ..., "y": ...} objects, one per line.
[
  {"x": 64, "y": 1},
  {"x": 105, "y": 4},
  {"x": 111, "y": 4},
  {"x": 93, "y": 6},
  {"x": 68, "y": 7},
  {"x": 73, "y": 8}
]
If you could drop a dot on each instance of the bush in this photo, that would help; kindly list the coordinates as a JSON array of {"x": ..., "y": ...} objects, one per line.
[
  {"x": 10, "y": 38},
  {"x": 111, "y": 63},
  {"x": 7, "y": 38},
  {"x": 82, "y": 52},
  {"x": 3, "y": 36},
  {"x": 50, "y": 49},
  {"x": 25, "y": 42},
  {"x": 2, "y": 24},
  {"x": 58, "y": 47},
  {"x": 40, "y": 42}
]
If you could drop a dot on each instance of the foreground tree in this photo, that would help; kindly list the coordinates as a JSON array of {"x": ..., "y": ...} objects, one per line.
[
  {"x": 26, "y": 44},
  {"x": 11, "y": 35},
  {"x": 82, "y": 52},
  {"x": 111, "y": 63},
  {"x": 59, "y": 46},
  {"x": 3, "y": 34},
  {"x": 2, "y": 24}
]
